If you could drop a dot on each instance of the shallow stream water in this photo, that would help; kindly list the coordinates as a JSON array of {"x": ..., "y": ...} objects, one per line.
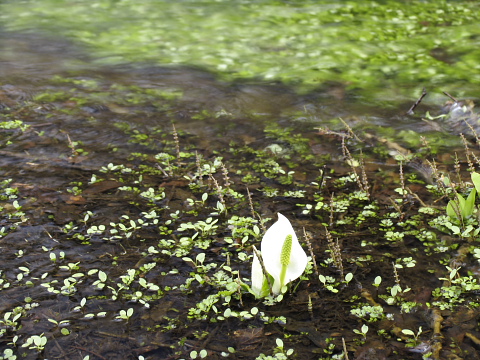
[{"x": 91, "y": 156}]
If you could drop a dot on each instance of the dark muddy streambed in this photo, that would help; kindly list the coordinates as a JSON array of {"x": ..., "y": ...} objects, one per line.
[{"x": 132, "y": 195}]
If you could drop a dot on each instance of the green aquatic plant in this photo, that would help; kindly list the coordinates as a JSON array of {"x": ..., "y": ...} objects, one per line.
[
  {"x": 37, "y": 342},
  {"x": 461, "y": 208},
  {"x": 363, "y": 331},
  {"x": 283, "y": 261}
]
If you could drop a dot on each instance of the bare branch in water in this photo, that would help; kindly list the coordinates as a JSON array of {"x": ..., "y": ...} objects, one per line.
[
  {"x": 410, "y": 111},
  {"x": 450, "y": 96}
]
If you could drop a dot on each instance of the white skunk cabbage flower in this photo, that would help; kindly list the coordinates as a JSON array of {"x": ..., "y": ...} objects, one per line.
[{"x": 282, "y": 254}]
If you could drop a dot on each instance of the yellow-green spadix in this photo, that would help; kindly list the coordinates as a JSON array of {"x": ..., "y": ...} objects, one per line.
[{"x": 282, "y": 254}]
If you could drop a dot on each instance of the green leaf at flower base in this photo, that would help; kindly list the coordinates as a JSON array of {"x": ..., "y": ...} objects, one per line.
[
  {"x": 460, "y": 208},
  {"x": 469, "y": 204},
  {"x": 455, "y": 207}
]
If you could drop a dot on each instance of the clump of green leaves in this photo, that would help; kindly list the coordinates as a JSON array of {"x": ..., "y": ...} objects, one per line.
[{"x": 461, "y": 208}]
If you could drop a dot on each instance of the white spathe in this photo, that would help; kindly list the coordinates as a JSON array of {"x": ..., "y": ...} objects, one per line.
[
  {"x": 257, "y": 277},
  {"x": 271, "y": 249}
]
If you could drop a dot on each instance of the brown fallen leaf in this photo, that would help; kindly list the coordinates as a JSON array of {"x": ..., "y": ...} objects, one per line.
[
  {"x": 248, "y": 339},
  {"x": 102, "y": 186},
  {"x": 73, "y": 199}
]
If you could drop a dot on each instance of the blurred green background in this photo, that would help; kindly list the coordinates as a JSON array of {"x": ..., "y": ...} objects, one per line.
[{"x": 383, "y": 49}]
